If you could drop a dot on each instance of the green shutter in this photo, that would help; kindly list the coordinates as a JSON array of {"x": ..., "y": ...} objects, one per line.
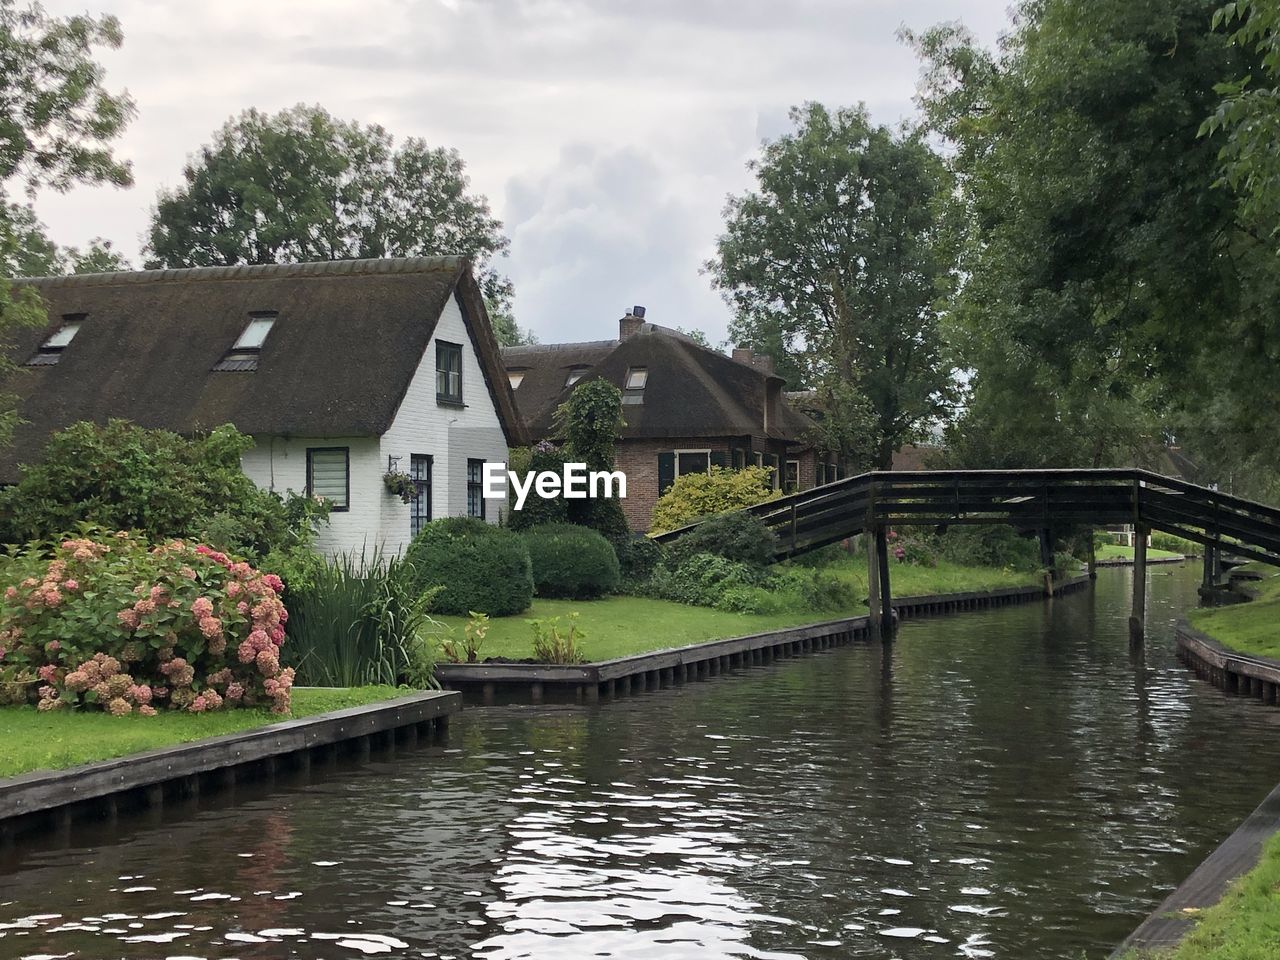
[
  {"x": 666, "y": 472},
  {"x": 719, "y": 458}
]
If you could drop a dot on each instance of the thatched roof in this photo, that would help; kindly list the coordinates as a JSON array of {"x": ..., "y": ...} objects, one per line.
[
  {"x": 692, "y": 391},
  {"x": 347, "y": 340}
]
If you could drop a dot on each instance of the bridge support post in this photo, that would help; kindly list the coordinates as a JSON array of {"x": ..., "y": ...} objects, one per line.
[
  {"x": 1138, "y": 619},
  {"x": 873, "y": 583},
  {"x": 1093, "y": 557},
  {"x": 886, "y": 595},
  {"x": 1208, "y": 579}
]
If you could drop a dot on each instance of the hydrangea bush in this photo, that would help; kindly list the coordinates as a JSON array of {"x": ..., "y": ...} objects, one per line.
[{"x": 110, "y": 622}]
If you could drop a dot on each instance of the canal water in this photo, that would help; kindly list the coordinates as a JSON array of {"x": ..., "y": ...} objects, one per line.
[{"x": 1012, "y": 784}]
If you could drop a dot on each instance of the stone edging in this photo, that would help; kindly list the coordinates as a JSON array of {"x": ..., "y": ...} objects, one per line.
[
  {"x": 144, "y": 778},
  {"x": 643, "y": 671},
  {"x": 1130, "y": 563}
]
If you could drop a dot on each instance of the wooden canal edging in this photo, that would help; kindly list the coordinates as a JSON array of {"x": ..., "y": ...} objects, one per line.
[
  {"x": 589, "y": 682},
  {"x": 1237, "y": 855},
  {"x": 147, "y": 779},
  {"x": 1231, "y": 670}
]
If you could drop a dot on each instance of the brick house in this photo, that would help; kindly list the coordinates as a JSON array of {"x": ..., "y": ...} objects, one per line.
[
  {"x": 687, "y": 408},
  {"x": 339, "y": 371}
]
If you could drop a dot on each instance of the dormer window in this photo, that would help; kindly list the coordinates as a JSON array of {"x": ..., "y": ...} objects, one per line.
[
  {"x": 50, "y": 352},
  {"x": 516, "y": 377},
  {"x": 244, "y": 353},
  {"x": 633, "y": 386},
  {"x": 576, "y": 373}
]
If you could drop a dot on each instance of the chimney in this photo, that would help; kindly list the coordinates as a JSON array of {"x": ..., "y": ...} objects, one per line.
[
  {"x": 761, "y": 361},
  {"x": 630, "y": 325}
]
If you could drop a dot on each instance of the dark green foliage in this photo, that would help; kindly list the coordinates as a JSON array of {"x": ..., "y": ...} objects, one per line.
[
  {"x": 1174, "y": 544},
  {"x": 740, "y": 537},
  {"x": 603, "y": 515},
  {"x": 638, "y": 557},
  {"x": 702, "y": 579},
  {"x": 357, "y": 622},
  {"x": 537, "y": 510},
  {"x": 476, "y": 566},
  {"x": 303, "y": 185},
  {"x": 571, "y": 562},
  {"x": 833, "y": 264},
  {"x": 123, "y": 477},
  {"x": 706, "y": 580},
  {"x": 589, "y": 422},
  {"x": 989, "y": 546}
]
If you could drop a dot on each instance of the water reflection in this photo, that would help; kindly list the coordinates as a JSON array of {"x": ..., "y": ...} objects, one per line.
[{"x": 1010, "y": 784}]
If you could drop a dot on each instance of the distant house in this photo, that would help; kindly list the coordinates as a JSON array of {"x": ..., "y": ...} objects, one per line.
[
  {"x": 341, "y": 372},
  {"x": 687, "y": 408}
]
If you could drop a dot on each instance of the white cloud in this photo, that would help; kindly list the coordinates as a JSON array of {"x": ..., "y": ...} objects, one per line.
[{"x": 606, "y": 133}]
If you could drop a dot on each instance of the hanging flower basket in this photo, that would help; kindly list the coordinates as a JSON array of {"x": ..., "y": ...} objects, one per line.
[{"x": 401, "y": 484}]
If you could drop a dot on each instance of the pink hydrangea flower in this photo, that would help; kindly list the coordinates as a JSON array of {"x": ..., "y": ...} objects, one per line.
[{"x": 202, "y": 607}]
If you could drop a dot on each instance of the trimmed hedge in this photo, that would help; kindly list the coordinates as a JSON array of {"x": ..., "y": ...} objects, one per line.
[
  {"x": 475, "y": 565},
  {"x": 638, "y": 557},
  {"x": 571, "y": 562}
]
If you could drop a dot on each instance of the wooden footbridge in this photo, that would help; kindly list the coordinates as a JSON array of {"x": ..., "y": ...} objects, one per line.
[{"x": 1040, "y": 502}]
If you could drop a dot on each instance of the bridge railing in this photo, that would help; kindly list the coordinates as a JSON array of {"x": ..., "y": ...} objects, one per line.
[{"x": 1027, "y": 499}]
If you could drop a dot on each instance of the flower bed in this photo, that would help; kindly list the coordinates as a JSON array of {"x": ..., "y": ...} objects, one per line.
[{"x": 110, "y": 622}]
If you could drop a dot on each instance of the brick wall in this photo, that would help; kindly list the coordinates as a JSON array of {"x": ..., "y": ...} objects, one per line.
[{"x": 638, "y": 459}]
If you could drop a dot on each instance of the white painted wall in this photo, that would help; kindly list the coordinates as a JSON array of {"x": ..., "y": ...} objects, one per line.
[
  {"x": 450, "y": 435},
  {"x": 280, "y": 464}
]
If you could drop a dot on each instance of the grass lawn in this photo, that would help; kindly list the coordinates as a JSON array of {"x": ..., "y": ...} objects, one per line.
[
  {"x": 1252, "y": 627},
  {"x": 1244, "y": 925},
  {"x": 911, "y": 581},
  {"x": 1113, "y": 551},
  {"x": 620, "y": 626},
  {"x": 59, "y": 739}
]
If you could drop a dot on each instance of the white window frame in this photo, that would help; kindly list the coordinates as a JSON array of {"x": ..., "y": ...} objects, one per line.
[
  {"x": 677, "y": 453},
  {"x": 785, "y": 469},
  {"x": 631, "y": 372}
]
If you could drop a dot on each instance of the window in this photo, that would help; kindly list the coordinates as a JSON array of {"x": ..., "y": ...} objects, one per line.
[
  {"x": 772, "y": 462},
  {"x": 793, "y": 476},
  {"x": 329, "y": 475},
  {"x": 448, "y": 372},
  {"x": 50, "y": 352},
  {"x": 759, "y": 459},
  {"x": 739, "y": 458},
  {"x": 420, "y": 505},
  {"x": 244, "y": 353},
  {"x": 516, "y": 377},
  {"x": 637, "y": 377},
  {"x": 575, "y": 374},
  {"x": 475, "y": 488},
  {"x": 692, "y": 461},
  {"x": 820, "y": 470}
]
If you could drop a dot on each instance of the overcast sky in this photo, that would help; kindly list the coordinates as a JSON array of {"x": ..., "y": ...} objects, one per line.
[{"x": 606, "y": 134}]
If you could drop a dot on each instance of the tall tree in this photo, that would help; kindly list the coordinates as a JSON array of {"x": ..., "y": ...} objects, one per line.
[
  {"x": 57, "y": 124},
  {"x": 834, "y": 264},
  {"x": 302, "y": 185},
  {"x": 1098, "y": 260}
]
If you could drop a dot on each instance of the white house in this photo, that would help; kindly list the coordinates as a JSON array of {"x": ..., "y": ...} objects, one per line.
[{"x": 341, "y": 372}]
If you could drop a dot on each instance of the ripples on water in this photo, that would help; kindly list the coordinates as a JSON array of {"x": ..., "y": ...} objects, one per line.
[{"x": 1012, "y": 784}]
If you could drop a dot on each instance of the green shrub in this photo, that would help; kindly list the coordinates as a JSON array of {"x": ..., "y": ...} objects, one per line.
[
  {"x": 571, "y": 562},
  {"x": 1167, "y": 541},
  {"x": 707, "y": 580},
  {"x": 1104, "y": 538},
  {"x": 994, "y": 545},
  {"x": 734, "y": 536},
  {"x": 638, "y": 557},
  {"x": 475, "y": 565},
  {"x": 700, "y": 579},
  {"x": 359, "y": 622},
  {"x": 697, "y": 495},
  {"x": 536, "y": 510}
]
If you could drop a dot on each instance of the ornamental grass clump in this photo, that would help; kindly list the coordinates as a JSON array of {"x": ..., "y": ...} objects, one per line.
[{"x": 110, "y": 622}]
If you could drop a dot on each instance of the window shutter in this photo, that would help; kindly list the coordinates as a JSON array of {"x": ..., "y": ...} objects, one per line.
[
  {"x": 719, "y": 458},
  {"x": 328, "y": 475},
  {"x": 666, "y": 472}
]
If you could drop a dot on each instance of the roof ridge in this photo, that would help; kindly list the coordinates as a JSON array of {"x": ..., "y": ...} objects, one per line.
[
  {"x": 554, "y": 347},
  {"x": 370, "y": 266}
]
